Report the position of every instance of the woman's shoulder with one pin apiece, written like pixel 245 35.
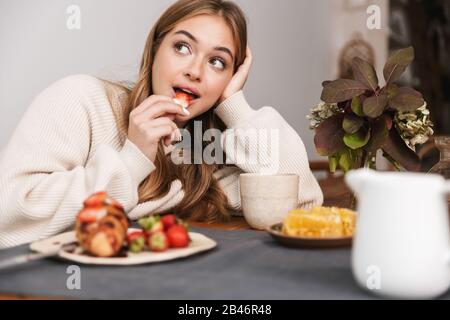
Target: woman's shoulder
pixel 77 97
pixel 88 83
pixel 76 84
pixel 78 78
pixel 70 89
pixel 81 98
pixel 84 90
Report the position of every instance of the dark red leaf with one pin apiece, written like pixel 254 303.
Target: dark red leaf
pixel 329 135
pixel 365 73
pixel 395 147
pixel 342 90
pixel 380 131
pixel 397 64
pixel 406 99
pixel 374 106
pixel 352 123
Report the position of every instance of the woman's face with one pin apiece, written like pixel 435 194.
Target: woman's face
pixel 197 55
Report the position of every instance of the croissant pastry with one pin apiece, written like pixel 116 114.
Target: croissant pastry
pixel 101 226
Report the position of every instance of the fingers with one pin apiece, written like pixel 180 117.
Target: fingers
pixel 162 132
pixel 149 102
pixel 241 76
pixel 152 122
pixel 162 121
pixel 160 109
pixel 249 55
pixel 245 66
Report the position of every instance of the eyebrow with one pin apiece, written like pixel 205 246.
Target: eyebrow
pixel 190 36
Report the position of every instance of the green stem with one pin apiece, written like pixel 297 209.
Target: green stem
pixel 397 165
pixel 368 160
pixel 364 159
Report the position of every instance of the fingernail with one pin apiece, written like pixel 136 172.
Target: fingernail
pixel 186 112
pixel 178 134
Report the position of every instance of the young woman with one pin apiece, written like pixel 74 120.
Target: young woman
pixel 84 134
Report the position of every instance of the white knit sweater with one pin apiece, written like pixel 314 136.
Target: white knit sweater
pixel 72 142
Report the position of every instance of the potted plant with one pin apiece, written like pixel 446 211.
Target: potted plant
pixel 357 117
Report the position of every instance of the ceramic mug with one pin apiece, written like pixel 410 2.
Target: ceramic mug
pixel 266 199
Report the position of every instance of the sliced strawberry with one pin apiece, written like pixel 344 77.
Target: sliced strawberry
pixel 87 219
pixel 178 236
pixel 135 235
pixel 101 199
pixel 158 242
pixel 168 221
pixel 183 99
pixel 95 200
pixel 89 215
pixel 113 202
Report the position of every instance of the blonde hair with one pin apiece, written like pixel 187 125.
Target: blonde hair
pixel 204 199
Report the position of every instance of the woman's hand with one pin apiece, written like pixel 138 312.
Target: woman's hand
pixel 240 77
pixel 152 121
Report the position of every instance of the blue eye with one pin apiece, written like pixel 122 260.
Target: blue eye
pixel 182 47
pixel 218 63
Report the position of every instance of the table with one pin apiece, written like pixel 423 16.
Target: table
pixel 247 264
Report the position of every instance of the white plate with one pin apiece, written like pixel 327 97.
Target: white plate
pixel 198 244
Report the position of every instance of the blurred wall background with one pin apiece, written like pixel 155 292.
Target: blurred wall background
pixel 296 44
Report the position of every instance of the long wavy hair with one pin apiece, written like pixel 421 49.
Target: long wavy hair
pixel 204 200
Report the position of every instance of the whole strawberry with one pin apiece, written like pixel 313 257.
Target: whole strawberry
pixel 178 236
pixel 168 221
pixel 183 223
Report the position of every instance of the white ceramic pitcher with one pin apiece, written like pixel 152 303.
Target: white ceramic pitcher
pixel 402 243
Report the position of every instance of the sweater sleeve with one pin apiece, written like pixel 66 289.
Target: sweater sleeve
pixel 48 169
pixel 261 141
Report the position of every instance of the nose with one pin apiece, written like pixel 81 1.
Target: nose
pixel 193 70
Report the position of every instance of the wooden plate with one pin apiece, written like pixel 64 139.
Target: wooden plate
pixel 198 244
pixel 300 242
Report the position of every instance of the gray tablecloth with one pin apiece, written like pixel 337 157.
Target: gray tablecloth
pixel 245 265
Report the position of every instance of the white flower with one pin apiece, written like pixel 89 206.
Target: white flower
pixel 321 112
pixel 415 127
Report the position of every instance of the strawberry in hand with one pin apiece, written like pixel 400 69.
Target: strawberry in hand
pixel 183 99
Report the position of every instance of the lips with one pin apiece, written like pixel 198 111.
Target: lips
pixel 192 92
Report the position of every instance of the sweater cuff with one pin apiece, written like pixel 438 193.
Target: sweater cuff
pixel 137 163
pixel 234 109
